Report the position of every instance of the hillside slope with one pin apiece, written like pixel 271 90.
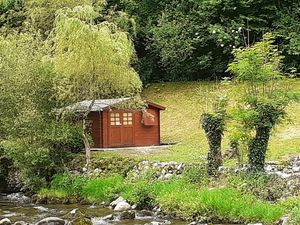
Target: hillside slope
pixel 185 101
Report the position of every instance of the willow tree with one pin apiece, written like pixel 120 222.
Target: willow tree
pixel 92 60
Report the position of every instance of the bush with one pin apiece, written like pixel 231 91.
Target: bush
pixel 114 165
pixel 196 175
pixel 263 186
pixel 292 209
pixel 141 194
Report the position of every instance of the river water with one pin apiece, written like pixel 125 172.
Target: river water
pixel 32 213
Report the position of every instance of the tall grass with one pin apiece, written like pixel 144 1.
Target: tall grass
pixel 223 204
pixel 178 197
pixel 104 189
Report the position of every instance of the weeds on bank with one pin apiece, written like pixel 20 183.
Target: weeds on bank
pixel 186 198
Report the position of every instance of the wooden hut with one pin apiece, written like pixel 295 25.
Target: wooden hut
pixel 112 127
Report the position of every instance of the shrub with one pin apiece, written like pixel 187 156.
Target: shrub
pixel 140 193
pixel 196 175
pixel 114 165
pixel 292 208
pixel 263 186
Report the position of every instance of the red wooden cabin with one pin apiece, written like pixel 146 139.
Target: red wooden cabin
pixel 111 127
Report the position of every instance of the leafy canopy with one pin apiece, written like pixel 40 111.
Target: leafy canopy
pixel 92 60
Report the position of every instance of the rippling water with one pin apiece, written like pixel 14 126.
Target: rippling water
pixel 32 213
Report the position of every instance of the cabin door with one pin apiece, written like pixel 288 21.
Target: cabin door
pixel 121 129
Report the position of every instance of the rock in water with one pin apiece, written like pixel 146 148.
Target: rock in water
pixel 76 217
pixel 5 221
pixel 21 223
pixel 108 217
pixel 165 222
pixel 127 215
pixel 51 221
pixel 81 221
pixel 117 201
pixel 18 197
pixel 122 206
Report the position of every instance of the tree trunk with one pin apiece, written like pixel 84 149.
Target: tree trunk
pixel 87 149
pixel 87 145
pixel 214 156
pixel 212 126
pixel 258 148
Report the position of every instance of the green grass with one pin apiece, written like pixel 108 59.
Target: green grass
pixel 177 197
pixel 102 189
pixel 44 192
pixel 185 101
pixel 219 205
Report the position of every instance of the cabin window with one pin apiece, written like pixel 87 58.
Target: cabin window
pixel 127 118
pixel 115 119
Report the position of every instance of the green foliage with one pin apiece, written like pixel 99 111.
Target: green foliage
pixel 140 193
pixel 177 197
pixel 44 193
pixel 89 58
pixel 114 165
pixel 174 39
pixel 70 184
pixel 96 190
pixel 104 189
pixel 223 204
pixel 196 175
pixel 214 124
pixel 78 60
pixel 41 13
pixel 265 187
pixel 292 209
pixel 264 101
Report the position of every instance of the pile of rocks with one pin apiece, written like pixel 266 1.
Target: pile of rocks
pixel 161 170
pixel 291 168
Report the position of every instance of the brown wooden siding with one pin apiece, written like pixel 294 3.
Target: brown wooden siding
pixel 146 135
pixel 142 135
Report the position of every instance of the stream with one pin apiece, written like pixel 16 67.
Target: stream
pixel 32 213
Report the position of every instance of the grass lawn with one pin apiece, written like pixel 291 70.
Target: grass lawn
pixel 185 101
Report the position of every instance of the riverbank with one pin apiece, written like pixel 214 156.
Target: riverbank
pixel 184 191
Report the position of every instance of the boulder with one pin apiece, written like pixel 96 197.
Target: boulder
pixel 21 223
pixel 165 222
pixel 51 221
pixel 127 215
pixel 76 217
pixel 168 176
pixel 108 217
pixel 81 221
pixel 196 223
pixel 144 213
pixel 18 197
pixel 117 201
pixel 284 220
pixel 5 221
pixel 122 206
